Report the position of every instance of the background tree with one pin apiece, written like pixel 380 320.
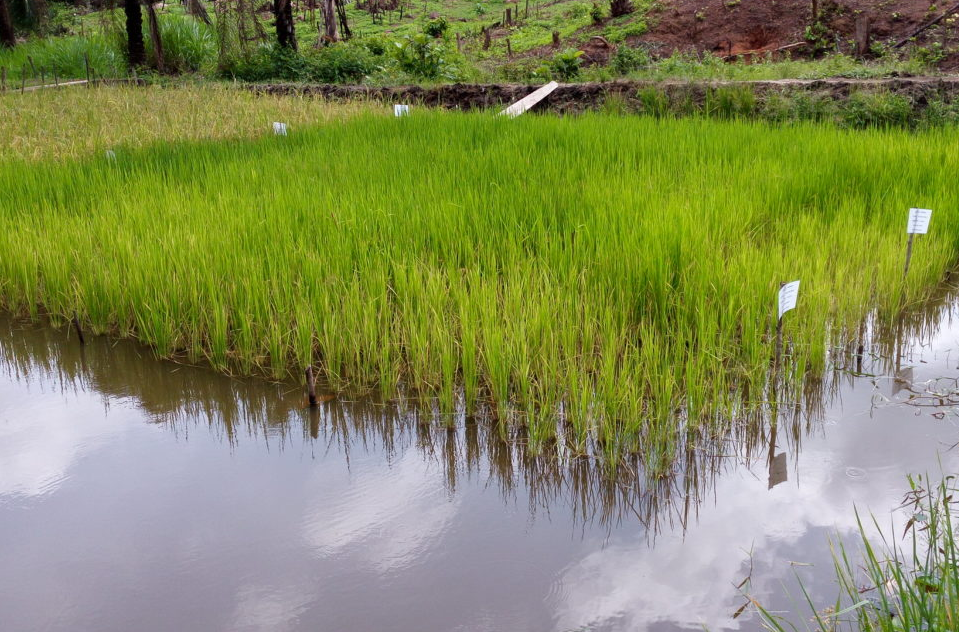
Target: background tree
pixel 620 7
pixel 285 34
pixel 136 52
pixel 329 21
pixel 7 36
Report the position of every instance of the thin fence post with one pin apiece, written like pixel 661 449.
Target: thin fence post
pixel 76 325
pixel 908 254
pixel 23 79
pixel 311 386
pixel 86 66
pixel 3 79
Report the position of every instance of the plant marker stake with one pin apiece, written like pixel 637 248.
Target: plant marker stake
pixel 76 325
pixel 311 386
pixel 279 129
pixel 918 224
pixel 401 110
pixel 788 292
pixel 529 100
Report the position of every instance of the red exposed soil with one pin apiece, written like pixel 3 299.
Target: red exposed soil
pixel 734 27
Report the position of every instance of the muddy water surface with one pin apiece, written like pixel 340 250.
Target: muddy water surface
pixel 142 495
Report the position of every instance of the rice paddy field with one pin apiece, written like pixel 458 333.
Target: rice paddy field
pixel 597 284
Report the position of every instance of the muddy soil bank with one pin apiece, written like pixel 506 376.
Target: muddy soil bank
pixel 580 97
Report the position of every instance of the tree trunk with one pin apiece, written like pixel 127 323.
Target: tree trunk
pixel 7 37
pixel 197 10
pixel 136 52
pixel 285 33
pixel 155 38
pixel 329 21
pixel 345 31
pixel 620 7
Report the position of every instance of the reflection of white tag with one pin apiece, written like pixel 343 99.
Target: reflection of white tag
pixel 279 129
pixel 787 297
pixel 111 155
pixel 401 110
pixel 918 221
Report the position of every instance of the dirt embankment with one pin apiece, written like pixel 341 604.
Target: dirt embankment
pixel 735 27
pixel 579 97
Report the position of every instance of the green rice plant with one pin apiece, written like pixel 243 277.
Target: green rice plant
pixel 598 283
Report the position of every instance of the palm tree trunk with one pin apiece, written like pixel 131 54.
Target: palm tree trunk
pixel 285 33
pixel 8 38
pixel 136 52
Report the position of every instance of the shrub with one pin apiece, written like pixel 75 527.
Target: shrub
pixel 338 63
pixel 422 57
pixel 628 59
pixel 596 13
pixel 188 45
pixel 876 109
pixel 566 64
pixel 436 27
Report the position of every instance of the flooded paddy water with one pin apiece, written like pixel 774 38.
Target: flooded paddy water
pixel 142 494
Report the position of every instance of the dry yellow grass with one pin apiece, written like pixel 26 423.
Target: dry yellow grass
pixel 75 121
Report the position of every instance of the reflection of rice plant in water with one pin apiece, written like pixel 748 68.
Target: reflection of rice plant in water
pixel 596 279
pixel 908 581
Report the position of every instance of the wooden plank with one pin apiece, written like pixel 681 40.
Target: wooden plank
pixel 530 100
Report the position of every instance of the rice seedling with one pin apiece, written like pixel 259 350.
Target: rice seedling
pixel 77 121
pixel 602 282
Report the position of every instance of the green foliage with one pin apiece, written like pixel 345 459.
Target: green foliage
pixel 596 13
pixel 876 109
pixel 65 56
pixel 620 33
pixel 911 578
pixel 188 45
pixel 931 55
pixel 627 59
pixel 566 64
pixel 423 57
pixel 436 27
pixel 337 63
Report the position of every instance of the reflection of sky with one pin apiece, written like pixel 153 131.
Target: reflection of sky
pixel 384 518
pixel 108 522
pixel 39 444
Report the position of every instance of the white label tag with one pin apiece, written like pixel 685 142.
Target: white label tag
pixel 918 221
pixel 787 297
pixel 401 110
pixel 279 129
pixel 111 155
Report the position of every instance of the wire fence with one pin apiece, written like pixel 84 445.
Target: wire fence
pixel 30 76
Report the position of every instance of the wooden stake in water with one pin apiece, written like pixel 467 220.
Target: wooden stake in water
pixel 788 293
pixel 918 224
pixel 311 386
pixel 76 325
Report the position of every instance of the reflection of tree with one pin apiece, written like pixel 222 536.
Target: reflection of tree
pixel 182 398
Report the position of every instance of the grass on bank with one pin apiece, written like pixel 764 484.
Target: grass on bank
pixel 904 582
pixel 605 281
